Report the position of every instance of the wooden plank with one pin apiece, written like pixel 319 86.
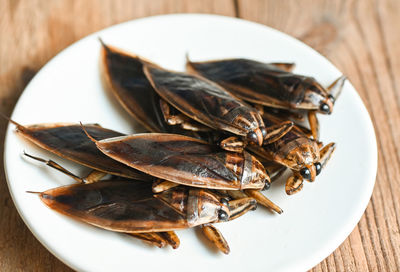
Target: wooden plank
pixel 32 32
pixel 361 38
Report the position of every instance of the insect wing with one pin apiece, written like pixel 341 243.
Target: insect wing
pixel 203 100
pixel 173 157
pixel 70 142
pixel 124 76
pixel 252 81
pixel 123 206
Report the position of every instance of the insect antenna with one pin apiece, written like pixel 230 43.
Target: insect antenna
pixel 32 192
pixel 56 166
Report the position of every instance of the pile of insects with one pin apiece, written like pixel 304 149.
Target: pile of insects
pixel 219 134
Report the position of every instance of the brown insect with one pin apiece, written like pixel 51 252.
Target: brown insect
pixel 132 207
pixel 159 239
pixel 184 160
pixel 197 104
pixel 297 151
pixel 123 76
pixel 272 85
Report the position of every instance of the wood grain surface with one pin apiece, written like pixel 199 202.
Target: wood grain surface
pixel 360 37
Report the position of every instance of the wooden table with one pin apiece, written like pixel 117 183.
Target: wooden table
pixel 360 37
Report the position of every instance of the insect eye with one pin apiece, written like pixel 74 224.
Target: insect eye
pixel 305 173
pixel 254 203
pixel 222 215
pixel 252 136
pixel 318 167
pixel 267 186
pixel 263 132
pixel 225 201
pixel 324 108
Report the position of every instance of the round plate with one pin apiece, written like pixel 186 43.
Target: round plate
pixel 315 221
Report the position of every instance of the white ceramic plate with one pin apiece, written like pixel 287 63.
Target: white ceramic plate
pixel 314 222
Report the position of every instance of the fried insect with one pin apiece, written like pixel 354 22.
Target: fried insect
pixel 295 150
pixel 209 104
pixel 132 207
pixel 272 85
pixel 123 76
pixel 186 161
pixel 70 142
pixel 159 239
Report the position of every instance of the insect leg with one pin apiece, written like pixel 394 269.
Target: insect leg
pixel 172 238
pixel 151 238
pixel 216 237
pixel 304 130
pixel 161 185
pixel 237 208
pixel 263 200
pixel 314 124
pixel 94 175
pixel 326 153
pixel 240 206
pixel 277 131
pixel 58 167
pixel 285 66
pixel 336 88
pixel 175 118
pixel 294 184
pixel 233 144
